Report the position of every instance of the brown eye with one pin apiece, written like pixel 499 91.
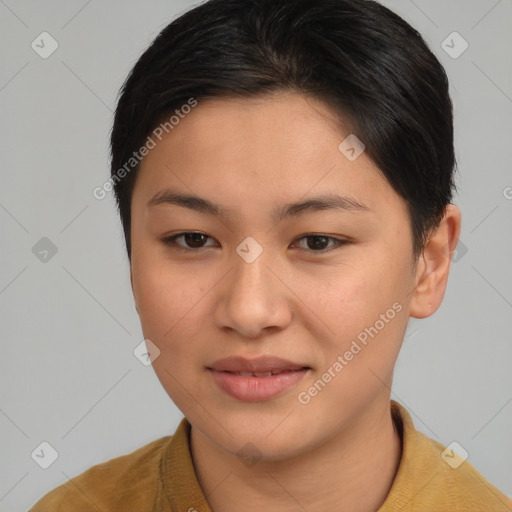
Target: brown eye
pixel 320 243
pixel 192 241
pixel 317 242
pixel 195 240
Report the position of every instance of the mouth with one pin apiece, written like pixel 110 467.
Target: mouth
pixel 257 379
pixel 261 366
pixel 262 374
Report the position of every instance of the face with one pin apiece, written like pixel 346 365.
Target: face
pixel 325 289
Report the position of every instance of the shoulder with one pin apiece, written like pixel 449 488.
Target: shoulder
pixel 459 483
pixel 132 478
pixel 431 475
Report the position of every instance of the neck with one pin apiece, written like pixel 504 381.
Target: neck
pixel 352 471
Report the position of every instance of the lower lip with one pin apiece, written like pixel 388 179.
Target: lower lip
pixel 256 389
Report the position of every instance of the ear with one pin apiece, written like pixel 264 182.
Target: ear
pixel 133 290
pixel 434 265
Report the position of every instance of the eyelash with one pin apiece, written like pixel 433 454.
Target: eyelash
pixel 171 242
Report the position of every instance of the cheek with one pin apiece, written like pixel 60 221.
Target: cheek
pixel 366 311
pixel 168 301
pixel 169 306
pixel 355 296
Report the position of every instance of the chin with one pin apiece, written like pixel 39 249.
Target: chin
pixel 252 436
pixel 265 450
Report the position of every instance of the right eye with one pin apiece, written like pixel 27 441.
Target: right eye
pixel 194 240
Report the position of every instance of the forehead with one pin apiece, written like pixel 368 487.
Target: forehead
pixel 267 151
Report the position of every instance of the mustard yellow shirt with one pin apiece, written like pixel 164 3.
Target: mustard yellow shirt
pixel 160 476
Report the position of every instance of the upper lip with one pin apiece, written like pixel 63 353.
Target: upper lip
pixel 260 364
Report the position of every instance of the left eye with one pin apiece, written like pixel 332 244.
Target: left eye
pixel 318 242
pixel 196 240
pixel 190 238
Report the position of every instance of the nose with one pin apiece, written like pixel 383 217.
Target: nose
pixel 253 299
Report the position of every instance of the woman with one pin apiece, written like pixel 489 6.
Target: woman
pixel 284 175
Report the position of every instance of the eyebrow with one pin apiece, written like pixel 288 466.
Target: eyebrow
pixel 289 210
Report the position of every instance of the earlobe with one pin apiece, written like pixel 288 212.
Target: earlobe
pixel 434 265
pixel 133 290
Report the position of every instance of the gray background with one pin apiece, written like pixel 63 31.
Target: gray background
pixel 69 325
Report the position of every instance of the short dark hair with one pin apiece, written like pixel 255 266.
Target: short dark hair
pixel 364 61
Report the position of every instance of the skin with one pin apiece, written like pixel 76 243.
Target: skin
pixel 293 301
